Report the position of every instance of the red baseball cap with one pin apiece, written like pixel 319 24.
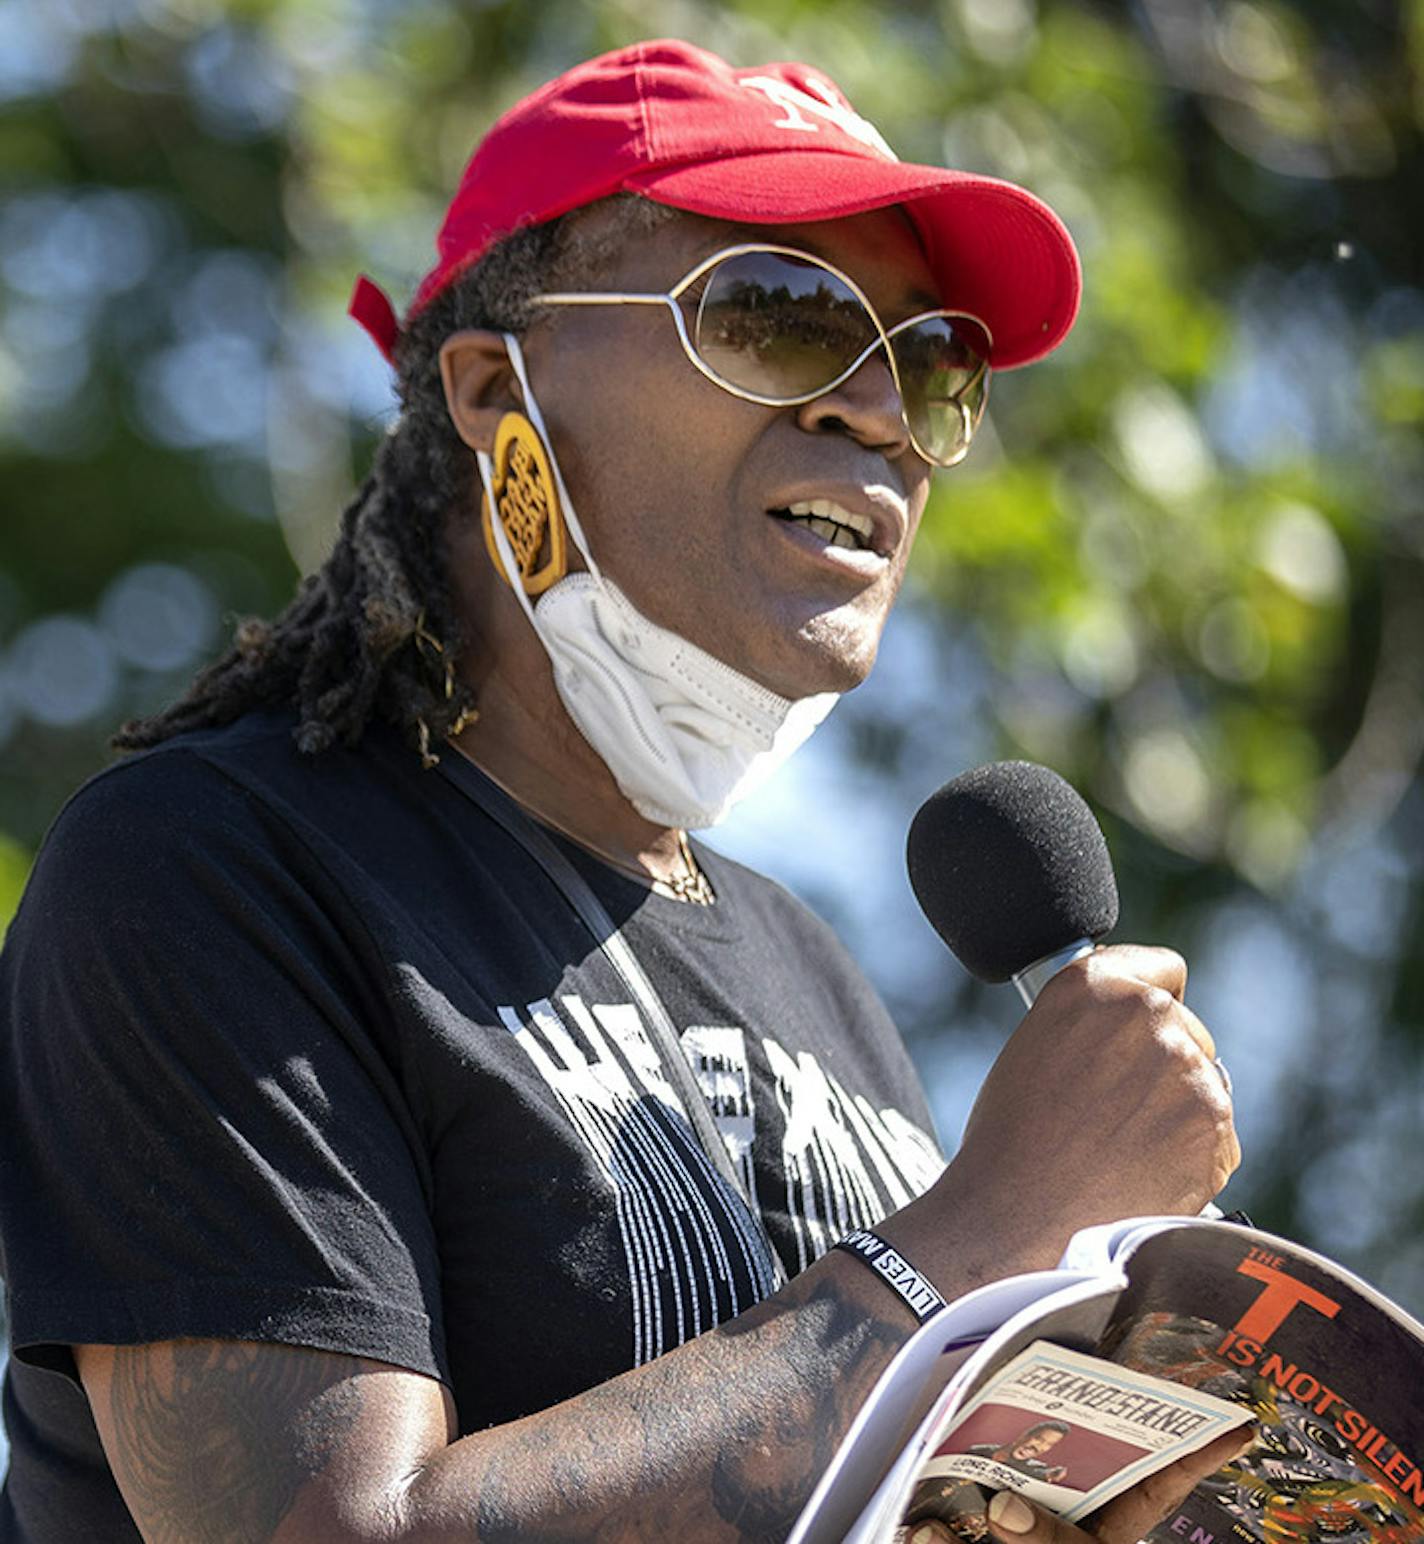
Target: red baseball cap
pixel 769 144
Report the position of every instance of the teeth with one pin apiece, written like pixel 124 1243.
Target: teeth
pixel 827 513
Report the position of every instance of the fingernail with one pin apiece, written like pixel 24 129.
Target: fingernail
pixel 1012 1514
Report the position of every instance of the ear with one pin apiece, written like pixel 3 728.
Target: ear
pixel 479 383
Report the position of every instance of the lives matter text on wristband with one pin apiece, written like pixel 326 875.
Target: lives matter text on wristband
pixel 918 1292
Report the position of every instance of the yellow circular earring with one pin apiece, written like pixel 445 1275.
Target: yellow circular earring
pixel 526 496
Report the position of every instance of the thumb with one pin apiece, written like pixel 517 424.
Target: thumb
pixel 1017 1521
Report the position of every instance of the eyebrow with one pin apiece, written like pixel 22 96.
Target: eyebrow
pixel 922 300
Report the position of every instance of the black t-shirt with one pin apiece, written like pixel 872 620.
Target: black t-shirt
pixel 308 1050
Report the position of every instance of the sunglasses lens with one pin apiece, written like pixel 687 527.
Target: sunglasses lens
pixel 777 327
pixel 944 381
pixel 782 328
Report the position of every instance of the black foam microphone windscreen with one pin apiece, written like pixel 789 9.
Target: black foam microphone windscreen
pixel 1010 866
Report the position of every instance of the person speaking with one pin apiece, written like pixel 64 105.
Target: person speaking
pixel 408 1131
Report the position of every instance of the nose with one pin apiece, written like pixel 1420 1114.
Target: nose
pixel 866 406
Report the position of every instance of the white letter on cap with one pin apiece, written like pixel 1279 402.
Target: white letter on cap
pixel 794 102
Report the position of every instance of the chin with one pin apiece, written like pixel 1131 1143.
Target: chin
pixel 821 661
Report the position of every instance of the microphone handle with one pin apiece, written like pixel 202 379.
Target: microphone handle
pixel 1032 979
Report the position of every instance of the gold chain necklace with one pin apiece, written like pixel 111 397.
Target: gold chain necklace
pixel 692 885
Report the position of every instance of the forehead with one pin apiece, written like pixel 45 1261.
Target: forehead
pixel 879 249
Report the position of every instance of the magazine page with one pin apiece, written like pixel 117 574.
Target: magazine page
pixel 1074 1316
pixel 1331 1370
pixel 1067 1430
pixel 914 1380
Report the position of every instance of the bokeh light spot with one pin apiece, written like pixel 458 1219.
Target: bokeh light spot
pixel 1299 550
pixel 158 616
pixel 62 671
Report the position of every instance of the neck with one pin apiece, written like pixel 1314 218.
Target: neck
pixel 543 761
pixel 525 740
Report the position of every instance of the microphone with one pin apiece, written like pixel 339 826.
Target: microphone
pixel 1011 868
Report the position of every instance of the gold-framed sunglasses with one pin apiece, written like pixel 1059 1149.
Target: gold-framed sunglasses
pixel 779 327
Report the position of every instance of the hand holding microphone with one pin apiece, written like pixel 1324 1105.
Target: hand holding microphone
pixel 1108 1100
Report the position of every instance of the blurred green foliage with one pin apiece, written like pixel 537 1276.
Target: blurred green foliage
pixel 14 868
pixel 1182 566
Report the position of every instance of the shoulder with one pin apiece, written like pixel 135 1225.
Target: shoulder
pixel 195 769
pixel 235 832
pixel 782 939
pixel 240 778
pixel 120 829
pixel 174 802
pixel 166 829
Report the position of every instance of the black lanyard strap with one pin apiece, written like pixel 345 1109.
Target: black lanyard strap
pixel 576 890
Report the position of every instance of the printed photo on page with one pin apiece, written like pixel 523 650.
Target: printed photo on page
pixel 1067 1430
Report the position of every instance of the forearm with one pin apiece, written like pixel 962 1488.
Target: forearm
pixel 223 1442
pixel 723 1438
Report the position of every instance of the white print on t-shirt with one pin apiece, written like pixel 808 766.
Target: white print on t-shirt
pixel 831 1144
pixel 718 1055
pixel 846 1164
pixel 677 1216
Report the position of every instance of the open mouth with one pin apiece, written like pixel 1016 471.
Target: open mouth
pixel 837 527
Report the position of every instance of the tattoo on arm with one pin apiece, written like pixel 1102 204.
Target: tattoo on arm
pixel 760 1484
pixel 783 1408
pixel 219 1442
pixel 214 1440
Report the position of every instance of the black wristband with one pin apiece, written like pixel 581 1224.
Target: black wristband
pixel 918 1292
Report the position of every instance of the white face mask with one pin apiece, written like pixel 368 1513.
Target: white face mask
pixel 684 735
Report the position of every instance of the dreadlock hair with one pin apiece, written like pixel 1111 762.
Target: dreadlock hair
pixel 374 632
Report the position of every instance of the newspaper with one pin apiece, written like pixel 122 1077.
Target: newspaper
pixel 1232 1318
